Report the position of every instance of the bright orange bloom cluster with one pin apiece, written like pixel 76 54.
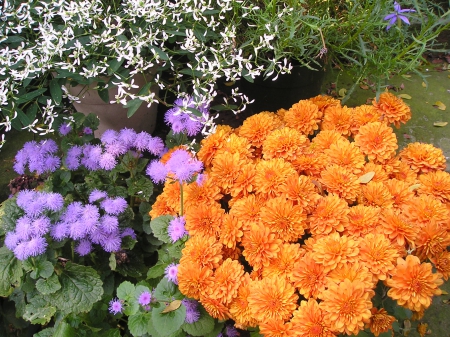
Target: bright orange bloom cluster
pixel 301 214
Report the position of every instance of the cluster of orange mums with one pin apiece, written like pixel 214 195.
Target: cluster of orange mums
pixel 305 210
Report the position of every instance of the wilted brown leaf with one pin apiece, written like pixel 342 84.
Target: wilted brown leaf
pixel 364 86
pixel 174 305
pixel 406 327
pixel 424 84
pixel 440 105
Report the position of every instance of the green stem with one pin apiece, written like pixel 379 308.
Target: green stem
pixel 181 198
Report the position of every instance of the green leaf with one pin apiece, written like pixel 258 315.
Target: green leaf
pixel 203 326
pixel 396 326
pixel 126 291
pixel 55 91
pixel 138 323
pixel 140 186
pixel 246 75
pixel 64 330
pixel 9 213
pixel 43 269
pixel 112 261
pixel 132 106
pixel 24 119
pixel 157 270
pixel 402 313
pixel 219 327
pixel 48 332
pixel 166 291
pixel 48 286
pixel 168 323
pixel 385 334
pixel 175 139
pixel 81 287
pixel 29 96
pixel 38 313
pixel 103 92
pixel 162 55
pixel 362 334
pixel 159 227
pixel 10 271
pixel 114 65
pixel 111 333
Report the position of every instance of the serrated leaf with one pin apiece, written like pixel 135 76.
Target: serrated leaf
pixel 174 305
pixel 126 291
pixel 81 287
pixel 64 330
pixel 159 227
pixel 440 123
pixel 48 332
pixel 10 271
pixel 219 327
pixel 168 323
pixel 43 269
pixel 202 327
pixel 439 105
pixel 49 285
pixel 38 314
pixel 166 291
pixel 156 271
pixel 404 96
pixel 111 333
pixel 138 323
pixel 365 178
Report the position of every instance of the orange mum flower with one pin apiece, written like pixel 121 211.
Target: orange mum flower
pixel 400 191
pixel 286 143
pixel 392 108
pixel 226 281
pixel 353 272
pixel 207 193
pixel 257 127
pixel 397 227
pixel 272 298
pixel 329 216
pixel 340 181
pixel 346 154
pixel 226 168
pixel 377 194
pixel 426 209
pixel 436 184
pixel 232 253
pixel 276 328
pixel 325 138
pixel 239 308
pixel 442 263
pixel 215 308
pixel 362 220
pixel 311 162
pixel 380 321
pixel 270 175
pixel 308 321
pixel 309 277
pixel 283 264
pixel 324 101
pixel 260 245
pixel 204 219
pixel 346 306
pixel 282 217
pixel 302 191
pixel 337 118
pixel 212 143
pixel 423 158
pixel 334 250
pixel 247 210
pixel 169 201
pixel 193 279
pixel 205 251
pixel 380 173
pixel 235 144
pixel 413 284
pixel 303 116
pixel 431 240
pixel 244 183
pixel 230 231
pixel 363 114
pixel 378 254
pixel 403 172
pixel 377 141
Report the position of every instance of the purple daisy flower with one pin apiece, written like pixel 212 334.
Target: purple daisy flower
pixel 145 298
pixel 176 229
pixel 171 272
pixel 115 306
pixel 64 129
pixel 396 16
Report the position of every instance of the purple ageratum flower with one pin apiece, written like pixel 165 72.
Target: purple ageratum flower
pixel 59 231
pixel 182 120
pixel 35 246
pixel 114 206
pixel 84 247
pixel 109 137
pixel 73 157
pixel 90 216
pixel 50 164
pixel 24 227
pixel 145 298
pixel 176 229
pixel 171 272
pixel 24 197
pixel 39 157
pixel 155 145
pixel 48 146
pixel 115 306
pixel 40 226
pixel 128 232
pixel 396 16
pixel 77 230
pixel 107 161
pixel 111 242
pixel 141 141
pixel 97 195
pixel 231 331
pixel 157 171
pixel 182 165
pixel 127 137
pixel 12 239
pixel 73 212
pixel 116 149
pixel 91 157
pixel 87 131
pixel 64 129
pixel 109 224
pixel 54 201
pixel 192 312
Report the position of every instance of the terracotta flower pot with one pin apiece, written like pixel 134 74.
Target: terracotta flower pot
pixel 113 115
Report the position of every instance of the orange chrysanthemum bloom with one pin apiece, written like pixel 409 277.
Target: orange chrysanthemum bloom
pixel 308 321
pixel 392 108
pixel 162 206
pixel 380 321
pixel 346 306
pixel 392 166
pixel 380 173
pixel 335 250
pixel 206 193
pixel 270 175
pixel 346 154
pixel 212 143
pixel 232 253
pixel 272 298
pixel 363 114
pixel 244 183
pixel 431 240
pixel 301 191
pixel 309 277
pixel 324 101
pixel 423 158
pixel 397 227
pixel 282 217
pixel 403 172
pixel 257 127
pixel 378 254
pixel 377 141
pixel 362 220
pixel 286 143
pixel 340 181
pixel 425 209
pixel 354 272
pixel 323 140
pixel 377 194
pixel 204 220
pixel 205 251
pixel 239 308
pixel 193 279
pixel 226 168
pixel 215 308
pixel 276 328
pixel 303 116
pixel 311 162
pixel 230 232
pixel 400 191
pixel 235 144
pixel 330 215
pixel 247 210
pixel 260 245
pixel 413 284
pixel 442 263
pixel 283 264
pixel 436 184
pixel 337 118
pixel 226 281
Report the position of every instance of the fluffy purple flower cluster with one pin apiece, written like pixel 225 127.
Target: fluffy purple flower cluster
pixel 81 222
pixel 114 143
pixel 180 166
pixel 176 229
pixel 192 311
pixel 40 157
pixel 181 119
pixel 171 272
